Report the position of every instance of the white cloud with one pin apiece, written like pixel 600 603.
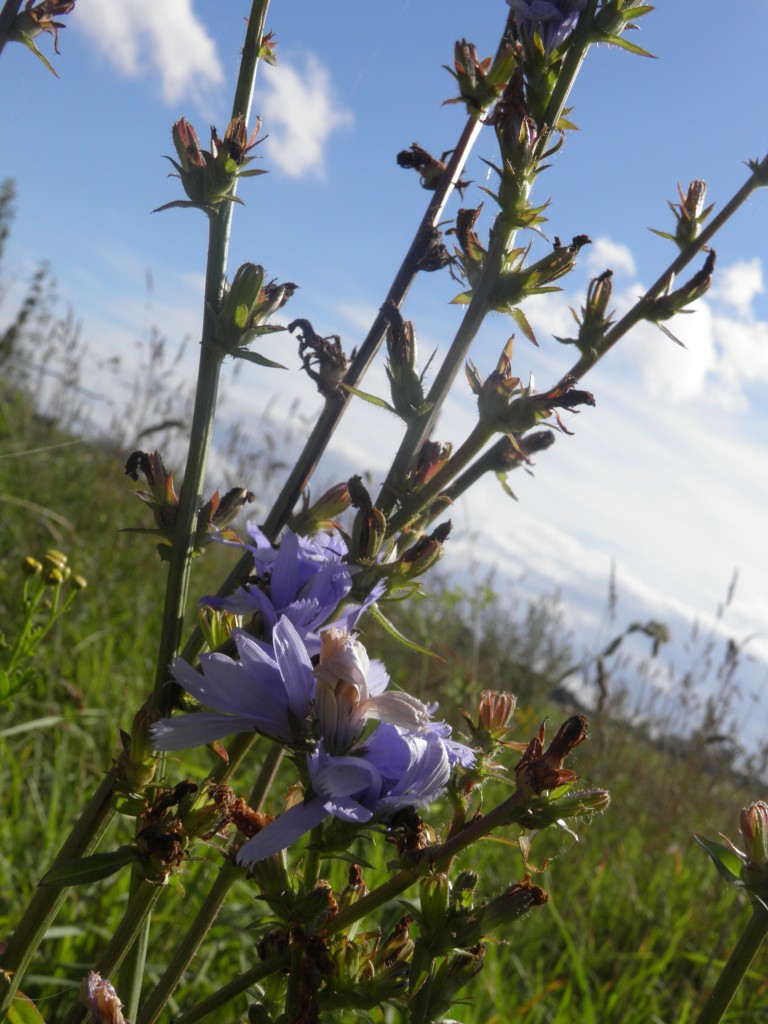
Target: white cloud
pixel 300 112
pixel 150 38
pixel 736 286
pixel 606 254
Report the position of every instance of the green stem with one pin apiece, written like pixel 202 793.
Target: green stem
pixel 293 988
pixel 46 901
pixel 758 179
pixel 471 447
pixel 227 876
pixel 132 970
pixel 311 870
pixel 209 369
pixel 127 933
pixel 738 963
pixel 238 985
pixel 7 18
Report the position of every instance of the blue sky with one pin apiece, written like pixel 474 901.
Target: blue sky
pixel 666 476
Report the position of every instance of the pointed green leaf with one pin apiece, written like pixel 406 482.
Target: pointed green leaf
pixel 395 632
pixel 255 357
pixel 502 478
pixel 522 322
pixel 22 37
pixel 373 399
pixel 90 869
pixel 727 862
pixel 663 234
pixel 611 40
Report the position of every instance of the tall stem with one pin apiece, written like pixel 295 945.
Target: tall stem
pixel 738 963
pixel 502 240
pixel 207 388
pixel 334 408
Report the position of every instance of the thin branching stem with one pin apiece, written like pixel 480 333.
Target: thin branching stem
pixel 638 312
pixel 336 406
pixel 502 240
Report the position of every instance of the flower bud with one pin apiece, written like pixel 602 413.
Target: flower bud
pixel 55 559
pixel 138 761
pixel 404 379
pixel 323 513
pixel 480 81
pixel 355 888
pixel 463 889
pixel 240 302
pixel 422 555
pixel 512 904
pixel 370 525
pixel 754 831
pixel 433 896
pixel 209 176
pixel 495 711
pixel 31 567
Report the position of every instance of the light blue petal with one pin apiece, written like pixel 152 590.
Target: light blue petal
pixel 283 832
pixel 195 730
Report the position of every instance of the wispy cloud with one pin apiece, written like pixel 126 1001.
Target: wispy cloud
pixel 165 40
pixel 300 113
pixel 605 254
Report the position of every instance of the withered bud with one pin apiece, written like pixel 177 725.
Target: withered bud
pixel 429 167
pixel 248 822
pixel 99 996
pixel 541 770
pixel 512 904
pixel 322 358
pixel 430 458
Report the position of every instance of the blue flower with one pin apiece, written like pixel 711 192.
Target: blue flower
pixel 270 689
pixel 350 689
pixel 458 753
pixel 304 580
pixel 554 19
pixel 393 769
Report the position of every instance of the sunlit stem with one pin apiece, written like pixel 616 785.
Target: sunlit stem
pixel 335 408
pixel 735 969
pixel 473 445
pixel 502 240
pixel 211 357
pixel 758 179
pixel 228 874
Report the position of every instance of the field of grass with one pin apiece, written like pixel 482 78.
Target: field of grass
pixel 638 922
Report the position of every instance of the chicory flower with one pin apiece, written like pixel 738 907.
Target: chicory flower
pixel 304 580
pixel 351 689
pixel 554 19
pixel 393 769
pixel 270 689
